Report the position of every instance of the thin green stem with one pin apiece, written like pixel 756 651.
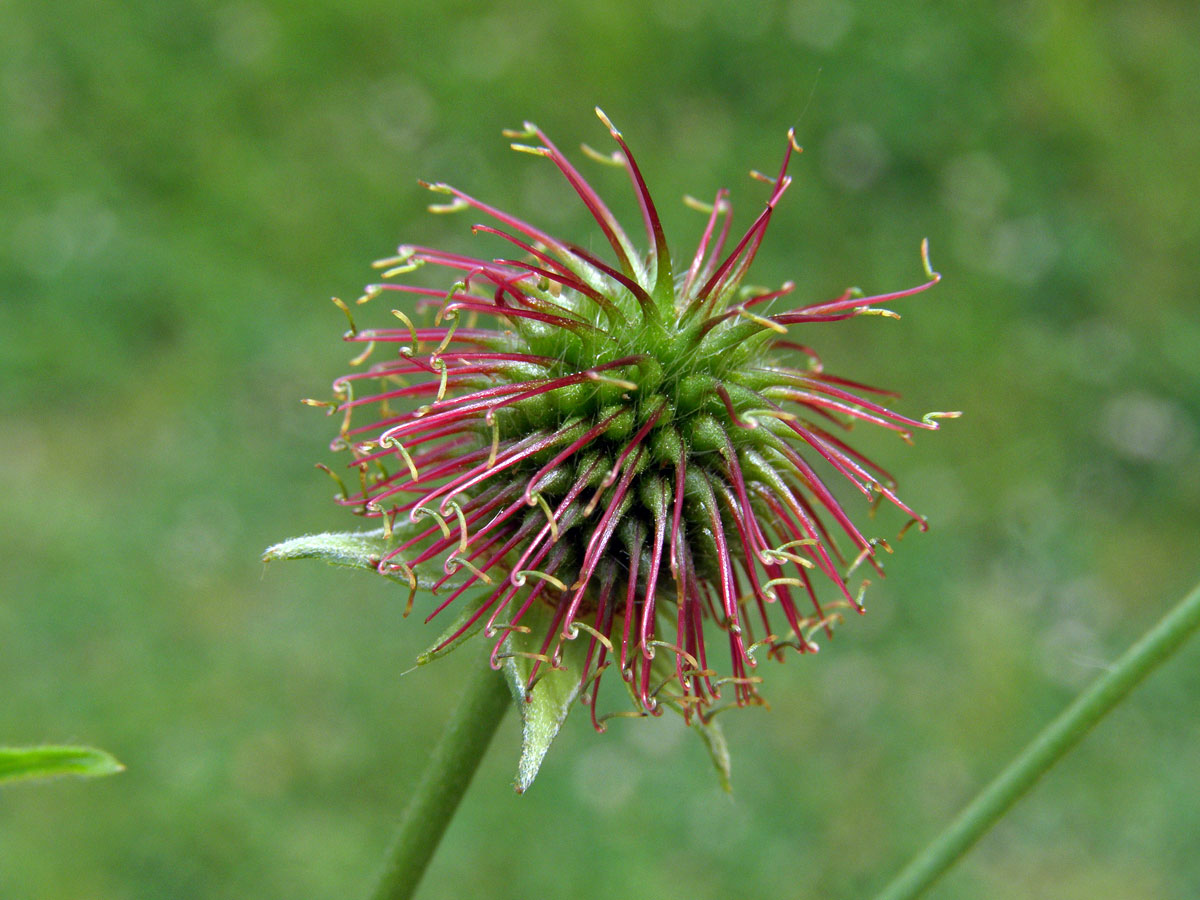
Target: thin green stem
pixel 1061 735
pixel 451 767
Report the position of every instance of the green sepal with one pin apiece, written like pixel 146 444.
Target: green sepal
pixel 27 763
pixel 470 607
pixel 352 549
pixel 356 550
pixel 713 737
pixel 545 707
pixel 709 732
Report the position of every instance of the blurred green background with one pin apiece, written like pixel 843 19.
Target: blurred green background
pixel 183 185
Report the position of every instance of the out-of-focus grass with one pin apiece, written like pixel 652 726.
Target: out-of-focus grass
pixel 184 185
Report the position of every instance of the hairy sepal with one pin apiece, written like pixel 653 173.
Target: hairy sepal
pixel 709 731
pixel 354 550
pixel 543 707
pixel 444 645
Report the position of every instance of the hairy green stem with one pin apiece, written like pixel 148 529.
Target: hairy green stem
pixel 1151 650
pixel 447 776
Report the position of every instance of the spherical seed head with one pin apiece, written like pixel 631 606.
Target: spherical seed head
pixel 628 445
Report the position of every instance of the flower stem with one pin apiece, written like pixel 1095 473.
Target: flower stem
pixel 1152 649
pixel 447 776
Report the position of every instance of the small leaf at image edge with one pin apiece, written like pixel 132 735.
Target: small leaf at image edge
pixel 27 763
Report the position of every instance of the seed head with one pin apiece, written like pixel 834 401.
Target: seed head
pixel 627 444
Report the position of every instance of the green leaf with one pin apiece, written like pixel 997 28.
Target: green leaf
pixel 545 708
pixel 355 550
pixel 26 763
